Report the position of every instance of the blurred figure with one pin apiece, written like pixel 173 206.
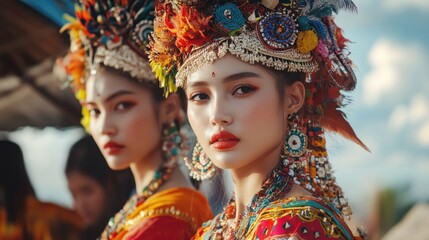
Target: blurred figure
pixel 22 215
pixel 98 192
pixel 217 190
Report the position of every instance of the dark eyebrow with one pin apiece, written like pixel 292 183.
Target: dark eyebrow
pixel 238 76
pixel 196 84
pixel 117 94
pixel 233 77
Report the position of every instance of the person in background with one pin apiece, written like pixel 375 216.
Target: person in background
pixel 22 215
pixel 133 123
pixel 98 191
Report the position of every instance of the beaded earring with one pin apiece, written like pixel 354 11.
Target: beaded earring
pixel 295 143
pixel 200 166
pixel 171 143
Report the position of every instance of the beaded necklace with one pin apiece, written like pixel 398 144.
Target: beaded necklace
pixel 118 222
pixel 274 187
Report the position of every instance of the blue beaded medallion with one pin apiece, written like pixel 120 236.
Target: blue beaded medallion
pixel 295 143
pixel 228 17
pixel 141 32
pixel 277 31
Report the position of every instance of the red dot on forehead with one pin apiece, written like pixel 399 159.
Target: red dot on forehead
pixel 213 74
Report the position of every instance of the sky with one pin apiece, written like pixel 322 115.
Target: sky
pixel 389 111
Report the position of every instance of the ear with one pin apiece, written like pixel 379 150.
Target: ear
pixel 169 109
pixel 295 97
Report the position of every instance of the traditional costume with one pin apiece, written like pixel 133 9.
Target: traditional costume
pixel 292 36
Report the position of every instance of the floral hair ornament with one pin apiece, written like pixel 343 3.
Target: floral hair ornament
pixel 285 35
pixel 113 33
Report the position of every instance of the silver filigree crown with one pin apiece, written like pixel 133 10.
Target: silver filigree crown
pixel 248 48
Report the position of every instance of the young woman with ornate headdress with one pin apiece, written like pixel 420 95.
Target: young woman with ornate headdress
pixel 263 81
pixel 131 121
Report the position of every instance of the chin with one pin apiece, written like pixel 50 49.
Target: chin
pixel 116 163
pixel 228 161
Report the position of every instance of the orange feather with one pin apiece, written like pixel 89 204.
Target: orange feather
pixel 334 120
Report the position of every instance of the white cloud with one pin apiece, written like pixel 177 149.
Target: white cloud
pixel 416 113
pixel 398 118
pixel 423 134
pixel 419 109
pixel 397 71
pixel 402 4
pixel 415 117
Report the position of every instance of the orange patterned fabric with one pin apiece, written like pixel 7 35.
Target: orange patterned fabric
pixel 171 214
pixel 41 221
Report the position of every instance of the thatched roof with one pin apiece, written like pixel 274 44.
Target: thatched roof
pixel 415 225
pixel 29 94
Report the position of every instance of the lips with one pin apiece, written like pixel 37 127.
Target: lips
pixel 224 140
pixel 112 148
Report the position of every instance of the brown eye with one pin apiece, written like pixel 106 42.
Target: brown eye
pixel 243 89
pixel 123 105
pixel 198 97
pixel 93 112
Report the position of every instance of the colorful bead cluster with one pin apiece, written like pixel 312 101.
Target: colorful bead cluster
pixel 295 144
pixel 228 18
pixel 313 171
pixel 112 23
pixel 200 166
pixel 172 144
pixel 277 30
pixel 274 187
pixel 119 221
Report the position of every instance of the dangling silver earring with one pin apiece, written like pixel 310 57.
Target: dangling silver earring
pixel 171 142
pixel 200 166
pixel 295 143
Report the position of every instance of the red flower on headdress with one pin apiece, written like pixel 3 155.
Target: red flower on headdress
pixel 74 61
pixel 190 28
pixel 75 67
pixel 164 50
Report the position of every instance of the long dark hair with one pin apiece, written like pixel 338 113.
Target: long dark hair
pixel 85 157
pixel 15 185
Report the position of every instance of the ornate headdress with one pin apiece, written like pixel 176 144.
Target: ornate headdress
pixel 289 35
pixel 285 35
pixel 114 33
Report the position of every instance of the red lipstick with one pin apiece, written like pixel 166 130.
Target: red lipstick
pixel 112 148
pixel 223 140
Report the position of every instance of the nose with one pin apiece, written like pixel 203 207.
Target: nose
pixel 219 113
pixel 105 125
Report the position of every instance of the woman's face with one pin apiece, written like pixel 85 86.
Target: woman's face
pixel 123 119
pixel 89 197
pixel 235 111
